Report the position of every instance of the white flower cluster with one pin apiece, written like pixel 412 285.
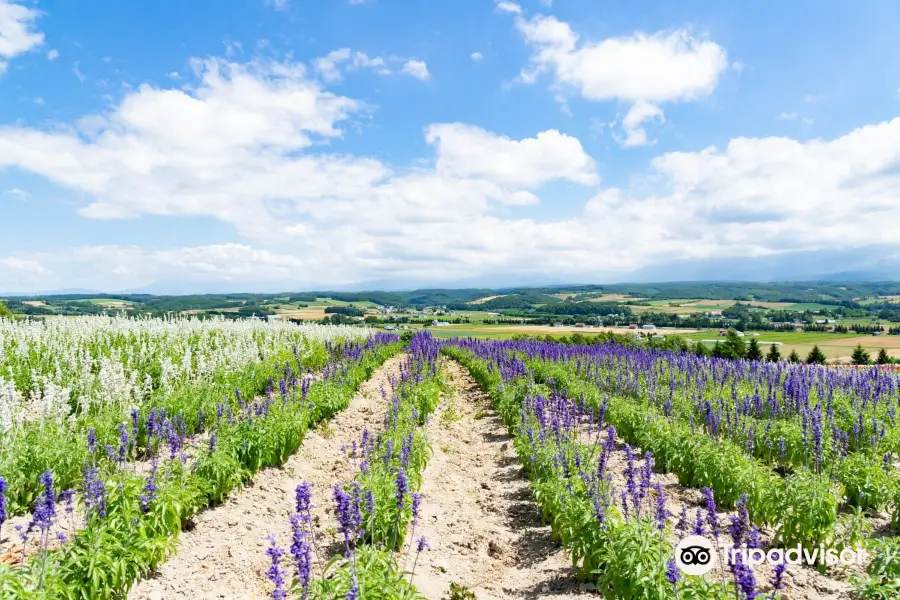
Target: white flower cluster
pixel 50 368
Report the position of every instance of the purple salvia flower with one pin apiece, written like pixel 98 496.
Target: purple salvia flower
pixel 416 502
pixel 682 524
pixel 91 440
pixel 93 490
pixel 135 425
pixel 353 592
pixel 672 574
pixel 45 508
pixel 301 551
pixel 3 503
pixel 303 501
pixel 275 574
pixel 370 501
pixel 402 487
pixel 778 577
pixel 754 540
pixel 709 504
pixel 343 510
pixel 123 444
pixel 67 497
pixel 698 523
pixel 740 523
pixel 661 512
pixel 744 580
pixel 148 494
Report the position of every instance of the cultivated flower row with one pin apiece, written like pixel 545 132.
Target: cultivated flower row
pixel 835 431
pixel 643 397
pixel 618 538
pixel 378 511
pixel 213 358
pixel 127 513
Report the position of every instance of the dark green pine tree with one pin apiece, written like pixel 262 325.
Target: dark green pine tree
pixel 718 351
pixel 773 355
pixel 753 351
pixel 734 346
pixel 860 356
pixel 700 349
pixel 815 357
pixel 883 358
pixel 794 357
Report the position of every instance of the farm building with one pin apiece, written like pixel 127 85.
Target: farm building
pixel 648 326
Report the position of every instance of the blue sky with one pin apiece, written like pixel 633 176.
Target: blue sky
pixel 291 144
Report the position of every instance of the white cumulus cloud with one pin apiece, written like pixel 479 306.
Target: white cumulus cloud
pixel 256 145
pixel 17 31
pixel 642 70
pixel 416 68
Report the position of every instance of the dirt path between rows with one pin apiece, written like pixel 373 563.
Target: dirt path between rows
pixel 223 555
pixel 484 530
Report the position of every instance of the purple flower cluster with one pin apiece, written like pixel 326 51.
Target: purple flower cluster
pixel 3 503
pixel 276 573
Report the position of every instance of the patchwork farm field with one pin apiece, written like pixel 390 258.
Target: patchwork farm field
pixel 184 458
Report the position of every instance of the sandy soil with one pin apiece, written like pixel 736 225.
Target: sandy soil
pixel 222 556
pixel 477 513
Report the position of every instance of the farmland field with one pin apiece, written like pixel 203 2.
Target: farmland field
pixel 180 458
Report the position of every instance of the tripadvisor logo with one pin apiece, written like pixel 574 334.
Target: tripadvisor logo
pixel 696 555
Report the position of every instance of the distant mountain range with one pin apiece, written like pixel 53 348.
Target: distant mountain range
pixel 871 263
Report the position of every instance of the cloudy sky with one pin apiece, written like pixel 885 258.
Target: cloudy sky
pixel 297 144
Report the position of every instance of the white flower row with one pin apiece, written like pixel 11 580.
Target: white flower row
pixel 50 367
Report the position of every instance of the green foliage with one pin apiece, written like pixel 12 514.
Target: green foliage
pixel 794 357
pixel 460 592
pixel 815 356
pixel 881 581
pixel 773 355
pixel 734 346
pixel 378 573
pixel 883 358
pixel 5 313
pixel 753 351
pixel 860 356
pixel 867 483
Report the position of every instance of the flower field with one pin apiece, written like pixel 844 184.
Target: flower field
pixel 118 434
pixel 116 431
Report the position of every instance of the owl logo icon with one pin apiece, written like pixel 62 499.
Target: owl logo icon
pixel 694 555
